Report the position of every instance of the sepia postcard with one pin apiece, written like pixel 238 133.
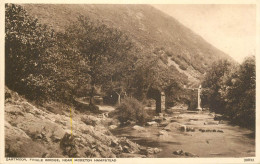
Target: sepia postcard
pixel 129 81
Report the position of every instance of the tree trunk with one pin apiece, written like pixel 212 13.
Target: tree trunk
pixel 92 94
pixel 119 98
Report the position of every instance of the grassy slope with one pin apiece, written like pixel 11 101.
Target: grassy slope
pixel 149 27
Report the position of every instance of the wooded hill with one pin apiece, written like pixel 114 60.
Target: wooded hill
pixel 70 49
pixel 150 28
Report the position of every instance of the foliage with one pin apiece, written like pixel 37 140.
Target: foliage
pixel 37 64
pixel 131 110
pixel 88 54
pixel 239 93
pixel 27 43
pixel 105 50
pixel 43 64
pixel 231 91
pixel 213 81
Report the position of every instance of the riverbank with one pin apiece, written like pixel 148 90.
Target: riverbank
pixel 59 131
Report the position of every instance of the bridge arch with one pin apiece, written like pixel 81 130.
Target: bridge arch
pixel 159 97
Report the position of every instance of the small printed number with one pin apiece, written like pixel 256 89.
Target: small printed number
pixel 249 160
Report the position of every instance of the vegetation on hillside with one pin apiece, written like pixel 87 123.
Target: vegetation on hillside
pixel 44 64
pixel 28 45
pixel 149 28
pixel 231 91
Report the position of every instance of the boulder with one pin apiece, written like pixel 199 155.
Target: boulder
pixel 139 128
pixel 149 151
pixel 203 130
pixel 157 119
pixel 211 123
pixel 183 128
pixel 223 122
pixel 57 134
pixel 157 150
pixel 190 129
pixel 129 146
pixel 114 143
pixel 220 131
pixel 163 132
pixel 111 127
pixel 218 117
pixel 163 124
pixel 152 123
pixel 212 114
pixel 127 155
pixel 90 120
pixel 175 126
pixel 128 122
pixel 68 145
pixel 183 153
pixel 190 154
pixel 178 152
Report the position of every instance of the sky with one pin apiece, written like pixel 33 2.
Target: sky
pixel 230 28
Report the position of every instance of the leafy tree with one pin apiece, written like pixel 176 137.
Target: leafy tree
pixel 240 94
pixel 26 43
pixel 231 91
pixel 104 50
pixel 213 82
pixel 39 63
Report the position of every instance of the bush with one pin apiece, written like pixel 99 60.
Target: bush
pixel 131 110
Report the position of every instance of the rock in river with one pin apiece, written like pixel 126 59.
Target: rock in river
pixel 139 128
pixel 152 123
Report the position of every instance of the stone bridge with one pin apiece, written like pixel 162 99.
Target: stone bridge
pixel 159 97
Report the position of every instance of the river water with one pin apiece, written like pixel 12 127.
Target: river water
pixel 230 141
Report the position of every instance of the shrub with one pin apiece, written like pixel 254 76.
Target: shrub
pixel 131 110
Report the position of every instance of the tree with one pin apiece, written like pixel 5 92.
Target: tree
pixel 240 94
pixel 231 91
pixel 27 42
pixel 104 50
pixel 213 82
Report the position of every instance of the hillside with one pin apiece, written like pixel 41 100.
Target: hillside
pixel 50 133
pixel 151 29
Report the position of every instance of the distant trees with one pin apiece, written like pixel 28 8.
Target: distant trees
pixel 232 91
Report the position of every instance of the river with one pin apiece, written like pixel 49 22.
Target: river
pixel 227 141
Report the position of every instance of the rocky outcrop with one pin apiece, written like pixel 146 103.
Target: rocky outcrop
pixel 32 131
